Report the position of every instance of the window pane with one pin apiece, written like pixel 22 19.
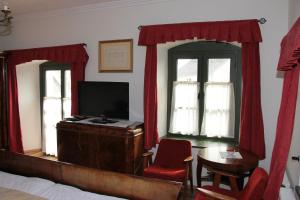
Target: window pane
pixel 187 69
pixel 68 83
pixel 53 83
pixel 67 107
pixel 219 70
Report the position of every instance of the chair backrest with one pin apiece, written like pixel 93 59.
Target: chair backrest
pixel 171 153
pixel 256 185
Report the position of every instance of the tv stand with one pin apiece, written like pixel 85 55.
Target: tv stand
pixel 100 146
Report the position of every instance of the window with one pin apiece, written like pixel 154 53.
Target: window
pixel 55 81
pixel 204 83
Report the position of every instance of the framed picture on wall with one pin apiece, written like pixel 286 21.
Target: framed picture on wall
pixel 116 55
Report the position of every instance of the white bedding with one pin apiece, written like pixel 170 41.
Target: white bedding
pixel 47 189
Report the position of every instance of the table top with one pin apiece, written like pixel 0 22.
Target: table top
pixel 211 157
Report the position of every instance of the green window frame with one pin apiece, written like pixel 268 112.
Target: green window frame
pixel 202 51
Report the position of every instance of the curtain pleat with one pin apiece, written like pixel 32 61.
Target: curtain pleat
pixel 75 55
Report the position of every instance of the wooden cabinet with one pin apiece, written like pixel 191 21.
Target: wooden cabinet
pixel 105 147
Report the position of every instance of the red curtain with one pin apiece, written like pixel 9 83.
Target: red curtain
pixel 75 55
pixel 246 32
pixel 150 97
pixel 251 124
pixel 290 62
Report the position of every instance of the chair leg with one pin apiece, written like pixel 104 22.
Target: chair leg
pixel 191 183
pixel 190 175
pixel 185 189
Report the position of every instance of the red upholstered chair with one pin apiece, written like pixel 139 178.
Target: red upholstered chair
pixel 254 189
pixel 173 161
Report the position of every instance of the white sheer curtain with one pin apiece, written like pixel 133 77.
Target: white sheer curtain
pixel 52 107
pixel 185 110
pixel 51 116
pixel 218 116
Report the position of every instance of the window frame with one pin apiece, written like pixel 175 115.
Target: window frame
pixel 203 50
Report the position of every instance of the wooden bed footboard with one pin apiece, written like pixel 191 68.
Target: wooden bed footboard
pixel 89 179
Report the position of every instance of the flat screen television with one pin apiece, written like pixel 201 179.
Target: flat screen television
pixel 108 99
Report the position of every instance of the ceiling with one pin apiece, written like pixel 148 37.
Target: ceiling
pixel 19 7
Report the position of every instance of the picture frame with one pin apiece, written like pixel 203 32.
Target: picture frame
pixel 116 55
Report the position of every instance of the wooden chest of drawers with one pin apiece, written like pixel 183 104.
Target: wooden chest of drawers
pixel 105 147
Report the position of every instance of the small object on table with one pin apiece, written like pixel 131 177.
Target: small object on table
pixel 230 155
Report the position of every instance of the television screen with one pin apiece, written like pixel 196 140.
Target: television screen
pixel 109 99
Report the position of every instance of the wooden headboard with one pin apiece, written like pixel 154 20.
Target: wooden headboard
pixel 89 179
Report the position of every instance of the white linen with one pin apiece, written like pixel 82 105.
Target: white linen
pixel 59 192
pixel 34 186
pixel 47 189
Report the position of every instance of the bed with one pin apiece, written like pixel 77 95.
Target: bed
pixel 20 187
pixel 36 178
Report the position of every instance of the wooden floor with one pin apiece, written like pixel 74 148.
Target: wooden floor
pixel 40 154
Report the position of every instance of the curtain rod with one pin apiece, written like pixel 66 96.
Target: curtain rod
pixel 261 21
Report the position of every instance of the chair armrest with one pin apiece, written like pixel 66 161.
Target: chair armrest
pixel 148 153
pixel 214 195
pixel 189 159
pixel 147 159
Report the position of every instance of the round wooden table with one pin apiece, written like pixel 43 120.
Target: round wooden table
pixel 210 158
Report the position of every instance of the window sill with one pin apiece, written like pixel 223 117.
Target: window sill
pixel 203 143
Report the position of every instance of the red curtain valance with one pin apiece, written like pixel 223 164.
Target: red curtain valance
pixel 242 31
pixel 68 53
pixel 290 49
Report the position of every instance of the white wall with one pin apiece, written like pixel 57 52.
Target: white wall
pixel 29 104
pixel 162 88
pixel 120 20
pixel 294 11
